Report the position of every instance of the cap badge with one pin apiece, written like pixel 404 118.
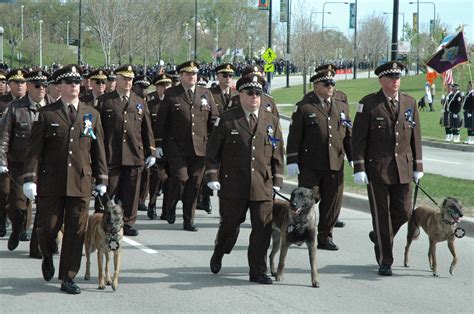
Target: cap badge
pixel 191 64
pixel 18 72
pixel 40 73
pixel 129 68
pixel 395 65
pixel 330 67
pixel 73 69
pixel 255 79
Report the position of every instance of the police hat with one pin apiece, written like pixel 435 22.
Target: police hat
pixel 126 70
pixel 455 85
pixel 188 66
pixel 86 72
pixel 252 70
pixel 250 82
pixel 17 75
pixel 162 79
pixel 323 76
pixel 68 71
pixel 225 68
pixel 112 75
pixel 202 81
pixel 143 80
pixel 390 69
pixel 174 75
pixel 37 76
pixel 99 75
pixel 324 67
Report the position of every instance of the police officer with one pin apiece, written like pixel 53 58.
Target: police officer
pixel 386 144
pixel 14 132
pixel 52 91
pixel 158 174
pixel 98 80
pixel 3 83
pixel 453 105
pixel 17 84
pixel 184 121
pixel 468 108
pixel 320 134
pixel 244 163
pixel 111 83
pixel 65 149
pixel 129 144
pixel 140 85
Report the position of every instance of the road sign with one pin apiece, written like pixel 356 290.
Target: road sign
pixel 269 55
pixel 269 68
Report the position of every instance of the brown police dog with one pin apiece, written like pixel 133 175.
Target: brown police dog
pixel 294 222
pixel 439 226
pixel 105 233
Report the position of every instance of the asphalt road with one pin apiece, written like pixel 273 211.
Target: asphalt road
pixel 166 269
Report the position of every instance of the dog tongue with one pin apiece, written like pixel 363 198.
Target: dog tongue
pixel 297 212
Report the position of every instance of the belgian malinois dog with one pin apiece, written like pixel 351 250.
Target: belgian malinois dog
pixel 439 226
pixel 105 233
pixel 294 222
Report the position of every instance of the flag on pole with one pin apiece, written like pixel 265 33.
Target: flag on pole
pixel 449 55
pixel 447 77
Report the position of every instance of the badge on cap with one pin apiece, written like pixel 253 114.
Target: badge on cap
pixel 395 65
pixel 19 72
pixel 40 73
pixel 129 68
pixel 191 64
pixel 255 79
pixel 73 69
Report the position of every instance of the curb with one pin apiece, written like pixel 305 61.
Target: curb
pixel 361 203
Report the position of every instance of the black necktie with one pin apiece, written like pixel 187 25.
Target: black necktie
pixel 327 104
pixel 72 113
pixel 37 106
pixel 393 106
pixel 191 95
pixel 252 122
pixel 125 99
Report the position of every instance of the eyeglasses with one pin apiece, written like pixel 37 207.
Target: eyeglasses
pixel 99 82
pixel 227 75
pixel 72 81
pixel 39 85
pixel 329 83
pixel 253 92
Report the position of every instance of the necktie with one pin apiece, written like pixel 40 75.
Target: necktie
pixel 252 122
pixel 327 104
pixel 190 95
pixel 37 106
pixel 125 99
pixel 393 106
pixel 227 98
pixel 72 113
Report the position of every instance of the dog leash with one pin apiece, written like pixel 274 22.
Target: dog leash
pixel 280 195
pixel 418 186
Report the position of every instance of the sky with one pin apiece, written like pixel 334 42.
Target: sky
pixel 450 12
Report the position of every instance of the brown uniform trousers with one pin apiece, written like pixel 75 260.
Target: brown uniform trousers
pixel 183 126
pixel 318 138
pixel 61 159
pixel 247 164
pixel 128 140
pixel 387 146
pixel 15 129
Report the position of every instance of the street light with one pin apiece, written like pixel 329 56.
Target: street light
pixel 250 49
pixel 434 12
pixel 67 33
pixel 311 17
pixel 403 21
pixel 22 30
pixel 324 5
pixel 217 34
pixel 1 44
pixel 41 43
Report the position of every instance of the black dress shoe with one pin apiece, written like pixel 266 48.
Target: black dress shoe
pixel 190 227
pixel 216 263
pixel 328 245
pixel 3 227
pixel 142 207
pixel 70 287
pixel 263 279
pixel 47 267
pixel 24 236
pixel 339 224
pixel 163 216
pixel 171 219
pixel 151 213
pixel 372 236
pixel 385 270
pixel 129 231
pixel 13 241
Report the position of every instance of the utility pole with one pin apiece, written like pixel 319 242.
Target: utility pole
pixel 80 34
pixel 195 28
pixel 395 30
pixel 269 74
pixel 355 41
pixel 288 24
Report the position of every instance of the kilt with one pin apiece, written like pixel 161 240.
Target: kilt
pixel 445 120
pixel 455 120
pixel 468 121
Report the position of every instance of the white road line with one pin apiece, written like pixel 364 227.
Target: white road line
pixel 139 246
pixel 443 161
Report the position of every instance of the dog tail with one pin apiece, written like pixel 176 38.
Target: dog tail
pixel 413 228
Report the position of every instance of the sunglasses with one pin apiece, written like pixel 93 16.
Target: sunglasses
pixel 72 81
pixel 329 83
pixel 227 75
pixel 99 82
pixel 39 85
pixel 253 92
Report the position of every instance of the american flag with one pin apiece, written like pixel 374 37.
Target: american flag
pixel 447 77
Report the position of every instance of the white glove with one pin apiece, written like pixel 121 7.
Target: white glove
pixel 292 169
pixel 361 178
pixel 351 163
pixel 214 185
pixel 469 115
pixel 101 188
pixel 417 175
pixel 150 161
pixel 29 189
pixel 3 169
pixel 276 188
pixel 455 115
pixel 159 152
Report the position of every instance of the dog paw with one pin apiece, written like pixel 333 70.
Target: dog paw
pixel 273 273
pixel 101 287
pixel 315 284
pixel 435 275
pixel 406 265
pixel 87 277
pixel 279 277
pixel 451 270
pixel 108 282
pixel 114 287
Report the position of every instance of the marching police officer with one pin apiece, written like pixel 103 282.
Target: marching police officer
pixel 184 121
pixel 15 129
pixel 386 144
pixel 111 83
pixel 98 80
pixel 452 109
pixel 65 149
pixel 244 163
pixel 468 108
pixel 129 144
pixel 140 85
pixel 320 134
pixel 3 83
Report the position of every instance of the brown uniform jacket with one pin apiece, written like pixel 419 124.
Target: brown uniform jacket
pixel 386 146
pixel 267 103
pixel 183 126
pixel 249 165
pixel 221 102
pixel 154 107
pixel 4 100
pixel 60 158
pixel 128 133
pixel 318 140
pixel 15 128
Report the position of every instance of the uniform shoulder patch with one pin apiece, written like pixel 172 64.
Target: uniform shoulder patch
pixel 360 107
pixel 217 121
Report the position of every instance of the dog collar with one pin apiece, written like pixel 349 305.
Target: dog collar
pixel 459 233
pixel 113 241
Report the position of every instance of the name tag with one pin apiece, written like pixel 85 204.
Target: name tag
pixel 380 118
pixel 177 105
pixel 313 115
pixel 234 132
pixel 109 110
pixel 23 124
pixel 55 124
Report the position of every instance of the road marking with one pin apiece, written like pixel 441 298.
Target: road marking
pixel 443 161
pixel 139 246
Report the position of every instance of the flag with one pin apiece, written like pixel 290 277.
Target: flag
pixel 447 77
pixel 451 54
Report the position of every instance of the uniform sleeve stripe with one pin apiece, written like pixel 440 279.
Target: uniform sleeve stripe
pixel 29 174
pixel 103 176
pixel 292 155
pixel 279 175
pixel 356 162
pixel 211 171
